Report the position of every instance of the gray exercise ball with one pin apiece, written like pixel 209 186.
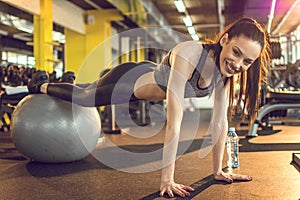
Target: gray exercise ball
pixel 47 129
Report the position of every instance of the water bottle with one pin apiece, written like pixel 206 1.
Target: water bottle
pixel 232 148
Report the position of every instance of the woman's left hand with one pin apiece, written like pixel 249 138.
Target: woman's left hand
pixel 228 177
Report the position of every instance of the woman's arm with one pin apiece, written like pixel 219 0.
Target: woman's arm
pixel 218 129
pixel 172 132
pixel 219 125
pixel 182 66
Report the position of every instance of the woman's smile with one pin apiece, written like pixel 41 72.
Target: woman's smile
pixel 229 67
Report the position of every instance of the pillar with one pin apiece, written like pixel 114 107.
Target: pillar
pixel 140 54
pixel 87 55
pixel 42 41
pixel 74 50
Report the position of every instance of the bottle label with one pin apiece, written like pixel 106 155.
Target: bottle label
pixel 232 148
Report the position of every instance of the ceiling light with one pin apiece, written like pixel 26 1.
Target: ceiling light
pixel 179 5
pixel 187 20
pixel 191 30
pixel 21 37
pixel 195 37
pixel 91 3
pixel 2 32
pixel 25 29
pixel 271 15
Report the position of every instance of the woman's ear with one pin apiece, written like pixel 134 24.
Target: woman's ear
pixel 224 39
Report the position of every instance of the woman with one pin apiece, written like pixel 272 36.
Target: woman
pixel 189 69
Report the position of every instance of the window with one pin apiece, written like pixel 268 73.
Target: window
pixel 18 59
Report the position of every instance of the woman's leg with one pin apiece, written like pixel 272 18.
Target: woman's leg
pixel 115 87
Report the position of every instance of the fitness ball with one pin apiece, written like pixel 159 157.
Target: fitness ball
pixel 49 130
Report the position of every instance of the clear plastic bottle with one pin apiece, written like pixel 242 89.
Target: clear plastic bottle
pixel 232 146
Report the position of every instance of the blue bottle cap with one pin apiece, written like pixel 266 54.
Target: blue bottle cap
pixel 232 129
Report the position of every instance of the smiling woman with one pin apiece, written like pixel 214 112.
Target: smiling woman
pixel 238 54
pixel 190 69
pixel 252 55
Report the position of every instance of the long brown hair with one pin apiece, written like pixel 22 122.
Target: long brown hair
pixel 248 82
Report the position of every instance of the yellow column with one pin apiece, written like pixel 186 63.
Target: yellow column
pixel 96 45
pixel 140 51
pixel 75 52
pixel 140 55
pixel 125 49
pixel 43 44
pixel 133 56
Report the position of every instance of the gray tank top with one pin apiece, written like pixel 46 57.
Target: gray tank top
pixel 192 89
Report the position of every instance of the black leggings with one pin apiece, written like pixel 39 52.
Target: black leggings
pixel 114 87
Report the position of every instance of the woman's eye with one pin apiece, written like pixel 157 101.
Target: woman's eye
pixel 236 52
pixel 246 62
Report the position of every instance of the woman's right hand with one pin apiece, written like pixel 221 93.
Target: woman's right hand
pixel 174 188
pixel 229 178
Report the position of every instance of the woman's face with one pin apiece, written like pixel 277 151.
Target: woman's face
pixel 237 54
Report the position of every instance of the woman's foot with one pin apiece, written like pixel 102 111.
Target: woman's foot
pixel 39 78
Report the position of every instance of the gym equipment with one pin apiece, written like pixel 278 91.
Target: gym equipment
pixel 276 50
pixel 278 101
pixel 68 77
pixel 7 106
pixel 47 129
pixel 293 77
pixel 284 94
pixel 107 115
pixel 9 101
pixel 285 76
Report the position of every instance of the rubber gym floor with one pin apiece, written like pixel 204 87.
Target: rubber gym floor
pixel 267 158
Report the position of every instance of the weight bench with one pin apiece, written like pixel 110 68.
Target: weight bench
pixel 277 101
pixel 7 105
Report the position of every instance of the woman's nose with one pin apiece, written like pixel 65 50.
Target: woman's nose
pixel 237 65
